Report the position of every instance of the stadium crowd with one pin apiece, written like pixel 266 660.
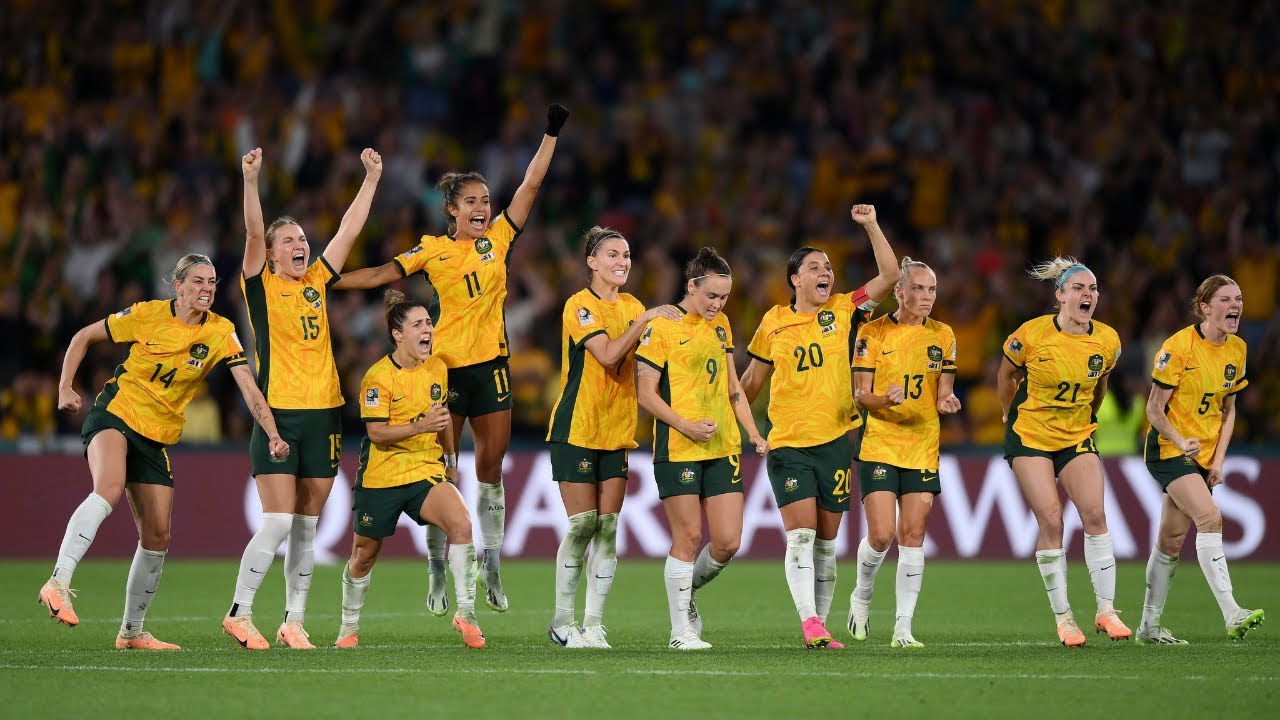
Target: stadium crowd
pixel 1144 140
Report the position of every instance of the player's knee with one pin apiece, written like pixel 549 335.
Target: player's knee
pixel 457 527
pixel 1170 545
pixel 1210 521
pixel 910 537
pixel 686 542
pixel 879 539
pixel 1093 520
pixel 361 564
pixel 723 549
pixel 1051 525
pixel 156 539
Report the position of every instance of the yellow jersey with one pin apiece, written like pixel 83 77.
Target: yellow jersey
pixel 290 321
pixel 904 435
pixel 1051 408
pixel 470 280
pixel 398 396
pixel 167 360
pixel 691 356
pixel 597 407
pixel 810 391
pixel 1201 375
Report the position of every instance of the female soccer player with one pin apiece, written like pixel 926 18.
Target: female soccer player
pixel 468 269
pixel 593 424
pixel 404 461
pixel 905 365
pixel 287 295
pixel 687 381
pixel 803 349
pixel 175 343
pixel 1192 411
pixel 1051 381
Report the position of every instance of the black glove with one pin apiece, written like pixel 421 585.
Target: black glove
pixel 556 115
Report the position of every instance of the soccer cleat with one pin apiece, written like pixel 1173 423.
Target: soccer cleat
pixel 437 594
pixel 1156 635
pixel 835 645
pixel 292 634
pixel 348 636
pixel 56 598
pixel 143 641
pixel 595 637
pixel 470 630
pixel 859 617
pixel 1069 633
pixel 569 636
pixel 1109 623
pixel 686 639
pixel 815 635
pixel 491 580
pixel 695 618
pixel 1244 621
pixel 242 629
pixel 902 639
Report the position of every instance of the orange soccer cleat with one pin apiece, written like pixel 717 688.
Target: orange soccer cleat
pixel 1069 633
pixel 242 629
pixel 143 641
pixel 1109 622
pixel 56 598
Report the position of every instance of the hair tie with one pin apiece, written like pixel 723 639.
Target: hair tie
pixel 1062 279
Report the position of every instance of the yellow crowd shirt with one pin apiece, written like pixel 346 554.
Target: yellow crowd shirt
pixel 810 391
pixel 398 396
pixel 470 281
pixel 1201 375
pixel 913 356
pixel 691 356
pixel 290 318
pixel 1051 408
pixel 167 361
pixel 597 407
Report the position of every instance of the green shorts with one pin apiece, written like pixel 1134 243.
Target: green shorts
pixel 873 476
pixel 820 472
pixel 315 444
pixel 1166 471
pixel 704 478
pixel 377 510
pixel 570 463
pixel 480 389
pixel 145 460
pixel 1013 448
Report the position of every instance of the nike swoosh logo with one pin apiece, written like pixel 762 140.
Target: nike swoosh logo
pixel 603 577
pixel 735 481
pixel 571 567
pixel 775 332
pixel 82 535
pixel 304 574
pixel 150 592
pixel 804 567
pixel 1193 367
pixel 685 341
pixel 54 612
pixel 913 574
pixel 149 343
pixel 286 294
pixel 928 479
pixel 1108 567
pixel 685 588
pixel 244 642
pixel 1055 587
pixel 870 565
pixel 445 257
pixel 502 398
pixel 1217 558
pixel 1043 359
pixel 888 352
pixel 822 579
pixel 256 572
pixel 397 399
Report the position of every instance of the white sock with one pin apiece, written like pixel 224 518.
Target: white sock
pixel 601 568
pixel 869 561
pixel 462 561
pixel 139 590
pixel 81 529
pixel 1213 562
pixel 798 566
pixel 257 558
pixel 907 587
pixel 436 541
pixel 1053 571
pixel 678 575
pixel 491 512
pixel 824 576
pixel 1100 557
pixel 353 592
pixel 299 564
pixel 706 568
pixel 569 565
pixel 1160 570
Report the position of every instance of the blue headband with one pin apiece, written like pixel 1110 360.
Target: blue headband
pixel 1062 279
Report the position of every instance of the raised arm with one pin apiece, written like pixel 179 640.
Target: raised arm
pixel 255 234
pixel 68 399
pixel 753 380
pixel 353 221
pixel 522 201
pixel 370 277
pixel 886 262
pixel 1156 403
pixel 1006 385
pixel 611 351
pixel 742 409
pixel 259 409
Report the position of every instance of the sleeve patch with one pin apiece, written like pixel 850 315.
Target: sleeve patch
pixel 124 312
pixel 1015 345
pixel 371 397
pixel 585 318
pixel 1162 362
pixel 644 339
pixel 860 349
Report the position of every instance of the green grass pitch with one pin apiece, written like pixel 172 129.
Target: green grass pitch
pixel 990 651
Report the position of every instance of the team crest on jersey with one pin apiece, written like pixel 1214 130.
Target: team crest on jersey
pixel 200 351
pixel 720 333
pixel 436 392
pixel 827 321
pixel 585 317
pixel 371 397
pixel 312 296
pixel 644 339
pixel 1230 372
pixel 860 349
pixel 790 484
pixel 366 520
pixel 584 466
pixel 1095 365
pixel 879 473
pixel 686 476
pixel 484 246
pixel 1162 362
pixel 1015 345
